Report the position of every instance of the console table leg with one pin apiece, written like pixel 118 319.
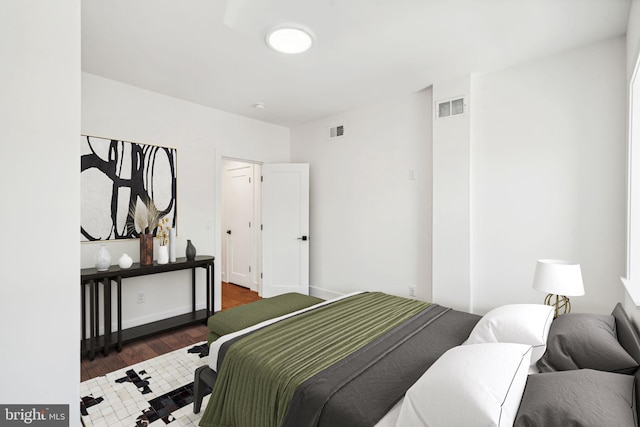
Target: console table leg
pixel 106 284
pixel 96 303
pixel 209 291
pixel 119 307
pixel 83 311
pixel 193 290
pixel 92 318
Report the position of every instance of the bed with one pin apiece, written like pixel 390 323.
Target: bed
pixel 371 359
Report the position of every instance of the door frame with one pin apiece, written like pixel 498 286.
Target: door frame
pixel 256 242
pixel 217 223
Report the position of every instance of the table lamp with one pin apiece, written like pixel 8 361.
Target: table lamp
pixel 559 279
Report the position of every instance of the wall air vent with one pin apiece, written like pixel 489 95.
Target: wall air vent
pixel 451 107
pixel 336 131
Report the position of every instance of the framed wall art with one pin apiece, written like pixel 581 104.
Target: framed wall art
pixel 123 182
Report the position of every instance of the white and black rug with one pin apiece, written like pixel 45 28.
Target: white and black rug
pixel 155 392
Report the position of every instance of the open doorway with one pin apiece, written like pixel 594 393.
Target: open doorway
pixel 240 218
pixel 263 228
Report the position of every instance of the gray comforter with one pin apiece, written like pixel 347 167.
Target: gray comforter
pixel 359 389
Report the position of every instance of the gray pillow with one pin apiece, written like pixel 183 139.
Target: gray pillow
pixel 577 398
pixel 585 341
pixel 627 335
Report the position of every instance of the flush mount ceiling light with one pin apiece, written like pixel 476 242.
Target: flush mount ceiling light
pixel 289 39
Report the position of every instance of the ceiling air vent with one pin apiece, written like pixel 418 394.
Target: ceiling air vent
pixel 452 107
pixel 337 131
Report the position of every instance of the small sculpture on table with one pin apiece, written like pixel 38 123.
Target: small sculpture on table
pixel 191 251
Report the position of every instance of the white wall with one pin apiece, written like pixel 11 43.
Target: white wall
pixel 545 175
pixel 202 136
pixel 548 175
pixel 370 224
pixel 39 181
pixel 452 198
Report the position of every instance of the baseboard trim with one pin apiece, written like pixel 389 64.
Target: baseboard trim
pixel 325 294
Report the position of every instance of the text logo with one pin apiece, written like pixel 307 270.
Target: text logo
pixel 34 415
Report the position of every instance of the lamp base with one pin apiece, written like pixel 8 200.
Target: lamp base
pixel 561 302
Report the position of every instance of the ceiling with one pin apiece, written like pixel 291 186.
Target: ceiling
pixel 212 52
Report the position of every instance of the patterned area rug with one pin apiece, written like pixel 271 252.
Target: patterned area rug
pixel 155 392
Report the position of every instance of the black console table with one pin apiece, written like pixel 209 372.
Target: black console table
pixel 91 278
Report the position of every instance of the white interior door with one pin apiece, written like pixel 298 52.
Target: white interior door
pixel 238 197
pixel 285 229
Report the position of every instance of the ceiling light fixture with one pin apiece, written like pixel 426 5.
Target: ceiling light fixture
pixel 289 39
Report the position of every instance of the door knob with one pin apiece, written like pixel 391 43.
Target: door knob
pixel 303 238
pixel 228 231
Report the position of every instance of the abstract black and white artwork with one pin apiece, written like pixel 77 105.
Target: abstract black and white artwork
pixel 116 175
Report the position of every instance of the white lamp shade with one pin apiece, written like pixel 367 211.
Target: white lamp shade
pixel 558 277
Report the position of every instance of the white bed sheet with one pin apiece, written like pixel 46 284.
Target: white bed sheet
pixel 391 418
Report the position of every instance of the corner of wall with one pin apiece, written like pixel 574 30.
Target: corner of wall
pixel 451 199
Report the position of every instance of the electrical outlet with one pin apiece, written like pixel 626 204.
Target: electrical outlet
pixel 412 291
pixel 140 298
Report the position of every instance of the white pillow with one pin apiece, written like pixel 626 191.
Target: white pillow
pixel 470 385
pixel 516 323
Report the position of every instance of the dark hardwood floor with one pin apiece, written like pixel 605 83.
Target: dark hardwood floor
pixel 138 351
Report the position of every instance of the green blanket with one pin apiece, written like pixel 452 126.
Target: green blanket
pixel 260 373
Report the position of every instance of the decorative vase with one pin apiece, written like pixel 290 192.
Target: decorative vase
pixel 103 258
pixel 163 254
pixel 146 249
pixel 172 245
pixel 191 251
pixel 125 261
